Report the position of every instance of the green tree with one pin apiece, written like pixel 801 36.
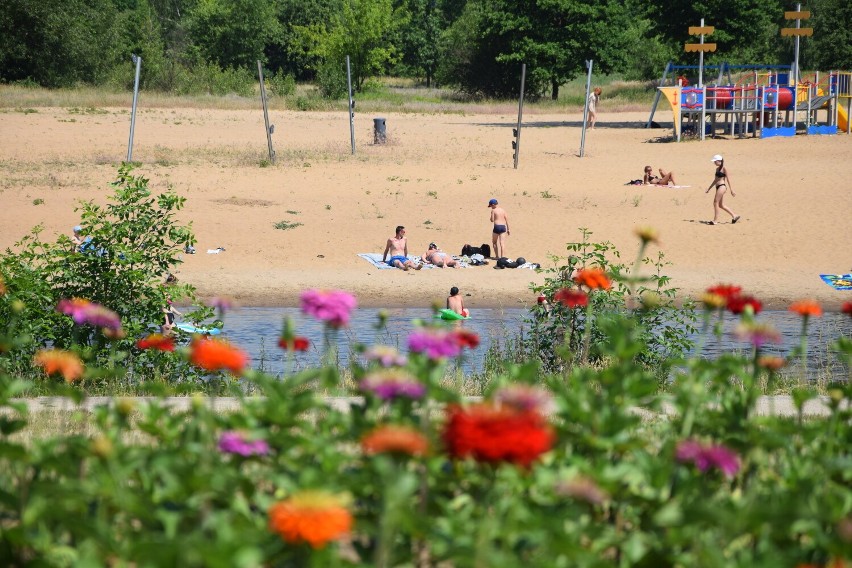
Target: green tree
pixel 553 37
pixel 831 45
pixel 292 53
pixel 233 33
pixel 421 38
pixel 363 30
pixel 747 31
pixel 57 43
pixel 134 242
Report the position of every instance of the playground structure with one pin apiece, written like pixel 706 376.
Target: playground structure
pixel 756 100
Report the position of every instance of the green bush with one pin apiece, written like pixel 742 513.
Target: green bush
pixel 282 85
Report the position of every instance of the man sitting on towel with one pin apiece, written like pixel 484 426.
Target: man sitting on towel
pixel 398 248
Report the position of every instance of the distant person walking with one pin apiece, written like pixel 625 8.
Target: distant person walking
pixel 397 246
pixel 500 230
pixel 594 97
pixel 722 183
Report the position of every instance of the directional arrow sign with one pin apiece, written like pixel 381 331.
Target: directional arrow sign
pixel 699 47
pixel 797 32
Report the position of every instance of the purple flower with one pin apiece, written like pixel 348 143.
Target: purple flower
pixel 85 312
pixel 386 355
pixel 391 384
pixel 232 442
pixel 435 343
pixel 707 456
pixel 331 306
pixel 222 304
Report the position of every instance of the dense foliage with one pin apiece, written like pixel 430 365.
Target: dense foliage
pixel 474 45
pixel 575 469
pixel 563 331
pixel 131 244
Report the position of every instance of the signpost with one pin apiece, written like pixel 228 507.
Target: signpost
pixel 797 32
pixel 701 47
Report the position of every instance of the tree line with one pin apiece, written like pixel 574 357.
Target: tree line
pixel 474 46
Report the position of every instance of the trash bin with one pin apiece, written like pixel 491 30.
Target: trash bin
pixel 379 131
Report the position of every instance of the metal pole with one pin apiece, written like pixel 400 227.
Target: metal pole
pixel 265 112
pixel 520 114
pixel 657 94
pixel 701 60
pixel 351 106
pixel 589 63
pixel 796 79
pixel 138 61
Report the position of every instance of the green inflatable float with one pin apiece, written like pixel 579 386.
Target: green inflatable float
pixel 448 314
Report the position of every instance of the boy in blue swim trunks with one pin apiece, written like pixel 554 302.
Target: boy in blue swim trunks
pixel 397 246
pixel 500 220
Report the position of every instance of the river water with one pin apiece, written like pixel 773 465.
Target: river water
pixel 256 330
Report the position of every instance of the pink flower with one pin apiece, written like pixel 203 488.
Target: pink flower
pixel 435 343
pixel 84 312
pixel 386 355
pixel 708 456
pixel 758 334
pixel 391 384
pixel 331 306
pixel 232 442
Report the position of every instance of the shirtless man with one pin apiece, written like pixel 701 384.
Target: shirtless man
pixel 438 257
pixel 398 248
pixel 456 303
pixel 500 219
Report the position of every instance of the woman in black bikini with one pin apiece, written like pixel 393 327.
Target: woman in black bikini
pixel 722 183
pixel 663 179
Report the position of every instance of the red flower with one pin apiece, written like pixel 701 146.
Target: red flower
pixel 295 344
pixel 806 308
pixel 847 308
pixel 725 290
pixel 466 338
pixel 737 304
pixel 213 355
pixel 593 278
pixel 572 298
pixel 494 435
pixel 156 341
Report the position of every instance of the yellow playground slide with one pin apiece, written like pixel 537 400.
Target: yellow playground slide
pixel 842 119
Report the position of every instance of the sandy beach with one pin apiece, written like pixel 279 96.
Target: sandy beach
pixel 435 176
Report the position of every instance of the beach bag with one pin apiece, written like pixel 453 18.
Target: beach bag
pixel 484 250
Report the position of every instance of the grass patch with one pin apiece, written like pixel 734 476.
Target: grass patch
pixel 285 225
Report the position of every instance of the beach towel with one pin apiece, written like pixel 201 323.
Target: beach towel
pixel 838 281
pixel 376 260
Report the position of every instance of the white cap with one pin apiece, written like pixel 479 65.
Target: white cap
pixel 717 158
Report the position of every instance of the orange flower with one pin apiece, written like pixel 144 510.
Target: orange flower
pixel 593 279
pixel 771 362
pixel 314 517
pixel 2 286
pixel 395 440
pixel 214 354
pixel 806 308
pixel 157 341
pixel 65 363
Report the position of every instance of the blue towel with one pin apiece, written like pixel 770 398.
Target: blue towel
pixel 838 281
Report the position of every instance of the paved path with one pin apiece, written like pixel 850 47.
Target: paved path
pixel 779 405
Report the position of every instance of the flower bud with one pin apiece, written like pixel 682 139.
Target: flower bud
pixel 101 447
pixel 650 300
pixel 125 406
pixel 18 306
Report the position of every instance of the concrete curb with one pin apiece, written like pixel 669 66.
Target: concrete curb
pixel 777 405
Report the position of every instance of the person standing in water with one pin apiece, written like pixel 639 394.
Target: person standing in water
pixel 722 183
pixel 500 230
